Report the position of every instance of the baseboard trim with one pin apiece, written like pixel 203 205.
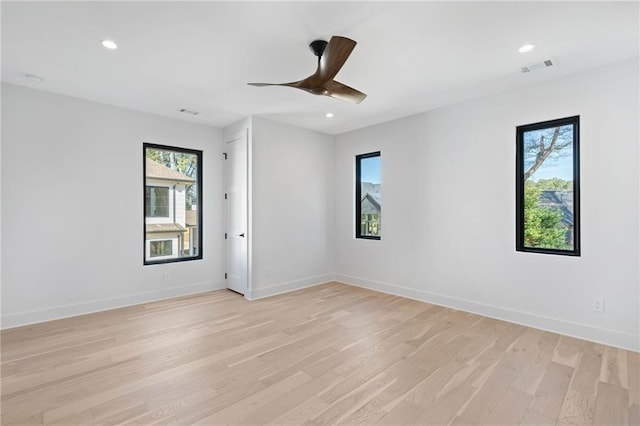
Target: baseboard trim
pixel 582 331
pixel 66 311
pixel 262 292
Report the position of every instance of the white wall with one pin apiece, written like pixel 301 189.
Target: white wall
pixel 448 185
pixel 72 207
pixel 292 203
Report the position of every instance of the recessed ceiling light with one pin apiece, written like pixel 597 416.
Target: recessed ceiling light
pixel 329 115
pixel 109 44
pixel 526 48
pixel 33 78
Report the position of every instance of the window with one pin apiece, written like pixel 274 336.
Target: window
pixel 547 187
pixel 161 248
pixel 157 201
pixel 368 196
pixel 172 204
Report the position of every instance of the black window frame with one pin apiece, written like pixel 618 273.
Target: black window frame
pixel 358 198
pixel 199 182
pixel 520 185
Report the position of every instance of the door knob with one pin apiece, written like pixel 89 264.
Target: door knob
pixel 241 235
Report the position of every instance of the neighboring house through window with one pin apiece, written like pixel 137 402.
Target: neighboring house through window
pixel 172 204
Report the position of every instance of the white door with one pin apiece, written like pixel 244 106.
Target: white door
pixel 237 265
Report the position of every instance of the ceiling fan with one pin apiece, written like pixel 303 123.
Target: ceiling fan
pixel 331 58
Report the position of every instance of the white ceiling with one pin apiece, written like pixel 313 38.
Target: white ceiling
pixel 410 57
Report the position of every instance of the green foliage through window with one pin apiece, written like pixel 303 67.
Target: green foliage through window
pixel 543 226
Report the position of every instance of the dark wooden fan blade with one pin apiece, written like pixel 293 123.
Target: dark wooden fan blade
pixel 338 90
pixel 272 84
pixel 334 57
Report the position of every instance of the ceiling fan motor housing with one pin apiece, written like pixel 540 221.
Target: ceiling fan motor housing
pixel 317 47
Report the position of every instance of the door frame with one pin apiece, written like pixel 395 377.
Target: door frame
pixel 242 134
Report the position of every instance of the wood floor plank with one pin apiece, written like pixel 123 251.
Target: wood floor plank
pixel 403 414
pixel 427 391
pixel 491 392
pixel 301 413
pixel 457 385
pixel 445 407
pixel 533 418
pixel 614 367
pixel 568 351
pixel 341 409
pixel 363 372
pixel 529 378
pixel 577 410
pixel 507 334
pixel 82 418
pixel 511 408
pixel 475 348
pixel 634 414
pixel 587 374
pixel 234 413
pixel 633 361
pixel 166 406
pixel 408 376
pixel 330 354
pixel 550 394
pixel 289 401
pixel 612 405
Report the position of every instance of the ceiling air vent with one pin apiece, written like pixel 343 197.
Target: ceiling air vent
pixel 539 65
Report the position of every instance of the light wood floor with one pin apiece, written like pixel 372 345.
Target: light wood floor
pixel 331 354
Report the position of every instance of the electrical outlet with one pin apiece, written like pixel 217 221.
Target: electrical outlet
pixel 166 276
pixel 268 275
pixel 598 304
